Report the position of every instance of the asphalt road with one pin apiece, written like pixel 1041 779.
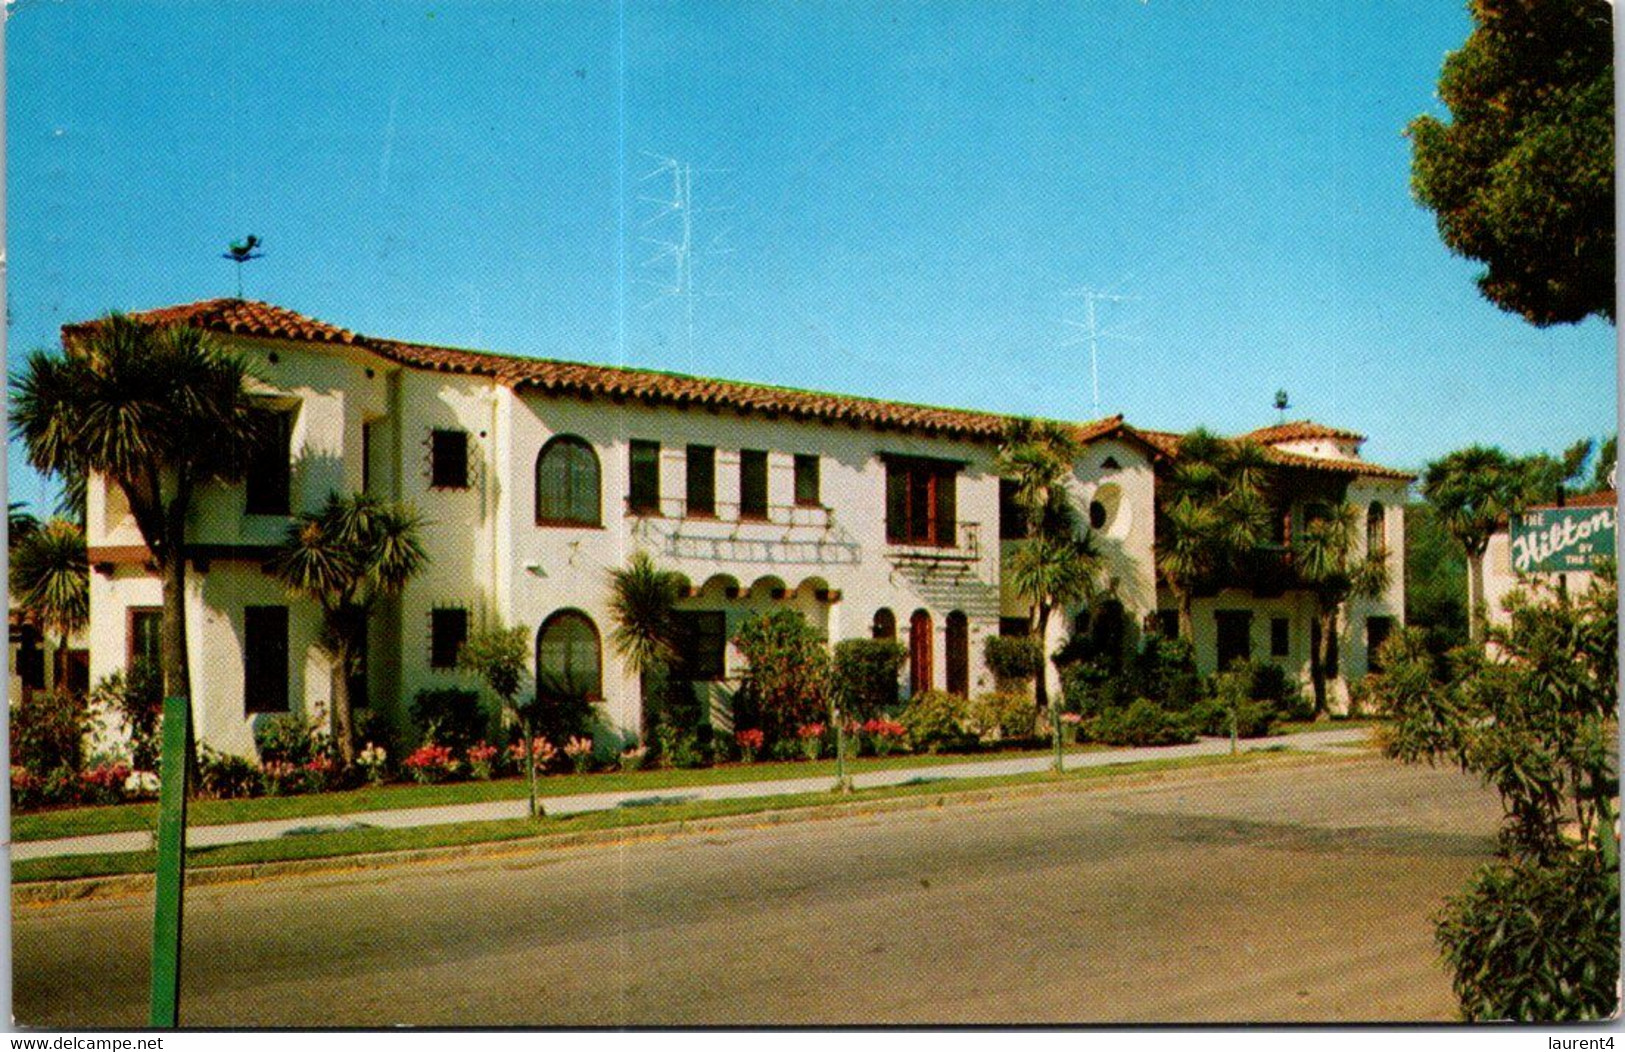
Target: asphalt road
pixel 1299 892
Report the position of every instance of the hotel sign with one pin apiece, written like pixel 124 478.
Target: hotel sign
pixel 1556 540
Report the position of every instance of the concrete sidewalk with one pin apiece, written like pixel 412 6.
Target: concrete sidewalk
pixel 215 835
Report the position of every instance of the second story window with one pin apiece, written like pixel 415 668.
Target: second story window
pixel 921 502
pixel 448 628
pixel 566 483
pixel 643 490
pixel 702 481
pixel 1376 530
pixel 752 484
pixel 448 459
pixel 807 480
pixel 267 482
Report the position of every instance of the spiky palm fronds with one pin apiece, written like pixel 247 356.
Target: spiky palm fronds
pixel 50 577
pixel 641 601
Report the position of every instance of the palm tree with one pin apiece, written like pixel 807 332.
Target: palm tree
pixel 50 582
pixel 1332 566
pixel 642 603
pixel 157 411
pixel 1213 514
pixel 1055 566
pixel 1473 491
pixel 20 522
pixel 356 550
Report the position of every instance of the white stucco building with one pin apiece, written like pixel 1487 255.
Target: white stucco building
pixel 535 477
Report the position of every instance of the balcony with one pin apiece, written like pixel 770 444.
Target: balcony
pixel 784 534
pixel 731 513
pixel 966 547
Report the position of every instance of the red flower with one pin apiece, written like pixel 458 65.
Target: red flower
pixel 810 730
pixel 751 739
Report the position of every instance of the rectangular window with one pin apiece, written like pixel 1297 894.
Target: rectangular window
pixel 807 480
pixel 1014 626
pixel 448 459
pixel 144 639
pixel 921 501
pixel 1012 520
pixel 267 481
pixel 1280 637
pixel 265 659
pixel 752 484
pixel 702 480
pixel 702 638
pixel 1377 630
pixel 643 492
pixel 448 627
pixel 30 656
pixel 1168 624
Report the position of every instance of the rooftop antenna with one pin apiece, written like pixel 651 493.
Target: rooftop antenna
pixel 676 214
pixel 241 252
pixel 1093 334
pixel 1282 404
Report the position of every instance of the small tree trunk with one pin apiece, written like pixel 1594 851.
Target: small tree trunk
pixel 1041 687
pixel 1317 660
pixel 530 763
pixel 1187 618
pixel 1475 599
pixel 339 704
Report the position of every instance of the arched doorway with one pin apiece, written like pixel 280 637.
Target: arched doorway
pixel 956 646
pixel 919 652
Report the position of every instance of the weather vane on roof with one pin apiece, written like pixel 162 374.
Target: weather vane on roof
pixel 241 252
pixel 1281 404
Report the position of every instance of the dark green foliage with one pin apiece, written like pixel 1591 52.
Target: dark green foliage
pixel 451 717
pixel 223 776
pixel 1013 660
pixel 1522 178
pixel 1003 716
pixel 863 676
pixel 937 720
pixel 1535 942
pixel 287 738
pixel 138 698
pixel 1165 671
pixel 1142 723
pixel 48 731
pixel 788 673
pixel 1091 687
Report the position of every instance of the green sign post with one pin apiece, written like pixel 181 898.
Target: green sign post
pixel 166 921
pixel 1562 540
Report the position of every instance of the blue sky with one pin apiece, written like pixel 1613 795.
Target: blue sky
pixel 891 199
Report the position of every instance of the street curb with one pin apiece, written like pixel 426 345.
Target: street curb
pixel 48 892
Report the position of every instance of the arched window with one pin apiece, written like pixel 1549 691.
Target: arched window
pixel 567 483
pixel 956 643
pixel 919 652
pixel 1376 529
pixel 885 625
pixel 567 657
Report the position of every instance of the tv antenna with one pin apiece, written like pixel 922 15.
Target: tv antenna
pixel 240 252
pixel 1092 332
pixel 675 214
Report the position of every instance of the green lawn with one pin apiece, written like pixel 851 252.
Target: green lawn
pixel 368 841
pixel 118 818
pixel 1336 723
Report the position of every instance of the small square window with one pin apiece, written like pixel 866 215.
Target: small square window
pixel 448 628
pixel 448 459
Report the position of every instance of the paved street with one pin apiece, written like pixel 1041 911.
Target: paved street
pixel 1298 893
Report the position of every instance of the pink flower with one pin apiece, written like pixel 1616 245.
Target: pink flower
pixel 482 753
pixel 751 739
pixel 810 730
pixel 540 748
pixel 429 756
pixel 881 728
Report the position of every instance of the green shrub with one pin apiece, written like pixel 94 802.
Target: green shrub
pixel 1165 671
pixel 48 731
pixel 288 737
pixel 863 676
pixel 1211 716
pixel 226 777
pixel 1013 660
pixel 788 670
pixel 452 717
pixel 1091 687
pixel 1003 715
pixel 937 720
pixel 1142 723
pixel 137 696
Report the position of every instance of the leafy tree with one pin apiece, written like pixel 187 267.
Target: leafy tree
pixel 1472 492
pixel 1535 936
pixel 157 411
pixel 50 582
pixel 788 673
pixel 20 522
pixel 1603 466
pixel 1435 579
pixel 500 657
pixel 863 676
pixel 346 556
pixel 1522 178
pixel 642 603
pixel 1334 568
pixel 1213 514
pixel 1055 566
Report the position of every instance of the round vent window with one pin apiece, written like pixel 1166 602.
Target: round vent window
pixel 1097 515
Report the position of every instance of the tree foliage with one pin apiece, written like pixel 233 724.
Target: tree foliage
pixel 788 675
pixel 1435 579
pixel 1535 936
pixel 1334 568
pixel 1521 179
pixel 50 578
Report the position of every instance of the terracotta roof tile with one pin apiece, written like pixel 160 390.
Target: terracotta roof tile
pixel 1297 430
pixel 241 317
pixel 1168 443
pixel 1603 499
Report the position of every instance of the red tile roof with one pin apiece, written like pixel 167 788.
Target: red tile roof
pixel 1298 430
pixel 241 317
pixel 1602 499
pixel 1167 442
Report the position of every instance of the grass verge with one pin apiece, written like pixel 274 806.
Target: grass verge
pixel 372 841
pixel 122 818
